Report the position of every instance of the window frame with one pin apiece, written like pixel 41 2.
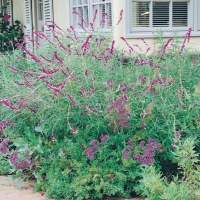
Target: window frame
pixel 198 15
pixel 90 5
pixel 168 32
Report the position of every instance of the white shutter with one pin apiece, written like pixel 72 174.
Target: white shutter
pixel 28 19
pixel 109 11
pixel 9 11
pixel 47 6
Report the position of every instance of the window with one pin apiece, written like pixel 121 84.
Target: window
pixel 86 9
pixel 146 16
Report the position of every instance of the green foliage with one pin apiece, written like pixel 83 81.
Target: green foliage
pixel 64 96
pixel 154 186
pixel 10 35
pixel 5 167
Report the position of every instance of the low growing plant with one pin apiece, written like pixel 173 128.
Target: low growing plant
pixel 183 186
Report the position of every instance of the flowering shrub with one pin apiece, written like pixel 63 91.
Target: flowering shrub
pixel 148 152
pixel 10 35
pixel 78 112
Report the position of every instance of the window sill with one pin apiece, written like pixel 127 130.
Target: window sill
pixel 165 34
pixel 103 30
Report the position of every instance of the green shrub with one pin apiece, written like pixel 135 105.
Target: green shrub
pixel 183 186
pixel 82 116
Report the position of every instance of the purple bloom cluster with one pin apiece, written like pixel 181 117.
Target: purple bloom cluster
pixel 91 150
pixel 94 142
pixel 104 138
pixel 4 144
pixel 123 116
pixel 126 153
pixel 3 124
pixel 148 152
pixel 119 105
pixel 23 164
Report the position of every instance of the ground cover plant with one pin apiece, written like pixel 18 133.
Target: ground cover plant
pixel 84 118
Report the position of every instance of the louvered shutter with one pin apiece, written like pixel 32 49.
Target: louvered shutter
pixel 47 6
pixel 28 19
pixel 109 8
pixel 9 11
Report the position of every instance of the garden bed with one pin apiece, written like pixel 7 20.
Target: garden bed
pixel 88 121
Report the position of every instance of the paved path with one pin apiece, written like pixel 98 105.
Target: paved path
pixel 9 191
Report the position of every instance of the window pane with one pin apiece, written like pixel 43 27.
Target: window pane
pixel 75 22
pixel 74 3
pixel 180 14
pixel 104 15
pixel 83 11
pixel 160 14
pixel 140 14
pixel 79 2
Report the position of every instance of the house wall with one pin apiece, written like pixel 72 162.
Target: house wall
pixel 60 13
pixel 119 31
pixel 60 16
pixel 18 11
